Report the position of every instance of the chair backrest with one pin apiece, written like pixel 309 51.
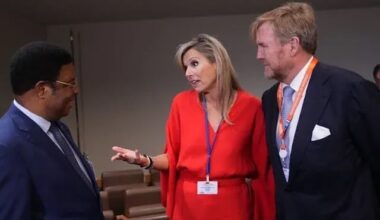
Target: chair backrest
pixel 116 195
pixel 155 176
pixel 107 212
pixel 121 177
pixel 104 200
pixel 143 201
pixel 159 216
pixel 142 196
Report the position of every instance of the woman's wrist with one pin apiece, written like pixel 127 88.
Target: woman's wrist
pixel 148 162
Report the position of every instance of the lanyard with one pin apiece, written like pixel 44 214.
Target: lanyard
pixel 207 134
pixel 283 128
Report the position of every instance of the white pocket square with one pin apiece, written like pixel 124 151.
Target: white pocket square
pixel 320 132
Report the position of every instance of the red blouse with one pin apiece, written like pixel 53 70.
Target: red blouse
pixel 239 152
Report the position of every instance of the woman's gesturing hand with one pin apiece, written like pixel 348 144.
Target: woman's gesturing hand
pixel 127 155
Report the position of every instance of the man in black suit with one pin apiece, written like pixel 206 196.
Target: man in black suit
pixel 43 175
pixel 322 124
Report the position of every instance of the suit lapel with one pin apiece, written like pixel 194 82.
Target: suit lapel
pixel 39 139
pixel 36 136
pixel 316 98
pixel 271 112
pixel 84 161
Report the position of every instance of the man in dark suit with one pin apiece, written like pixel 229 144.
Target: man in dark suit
pixel 376 75
pixel 322 124
pixel 43 175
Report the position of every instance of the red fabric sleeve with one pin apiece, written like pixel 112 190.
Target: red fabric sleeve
pixel 168 178
pixel 263 183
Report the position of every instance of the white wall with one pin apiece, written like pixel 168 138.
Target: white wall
pixel 15 32
pixel 128 76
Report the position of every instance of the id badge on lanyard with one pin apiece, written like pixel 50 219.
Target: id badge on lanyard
pixel 208 187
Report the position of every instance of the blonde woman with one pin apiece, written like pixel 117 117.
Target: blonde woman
pixel 214 140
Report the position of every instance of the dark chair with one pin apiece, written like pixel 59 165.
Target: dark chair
pixel 116 182
pixel 121 177
pixel 155 176
pixel 161 216
pixel 107 212
pixel 144 201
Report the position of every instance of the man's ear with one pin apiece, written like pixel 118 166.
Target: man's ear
pixel 294 45
pixel 42 88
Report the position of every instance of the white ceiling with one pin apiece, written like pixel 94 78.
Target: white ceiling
pixel 85 11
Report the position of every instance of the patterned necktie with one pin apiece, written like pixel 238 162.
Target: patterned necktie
pixel 68 152
pixel 286 106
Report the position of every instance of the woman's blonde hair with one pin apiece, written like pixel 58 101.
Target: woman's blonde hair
pixel 215 52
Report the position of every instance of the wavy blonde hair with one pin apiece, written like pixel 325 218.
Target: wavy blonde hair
pixel 215 52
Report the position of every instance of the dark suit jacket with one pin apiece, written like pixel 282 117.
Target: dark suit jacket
pixel 36 180
pixel 337 177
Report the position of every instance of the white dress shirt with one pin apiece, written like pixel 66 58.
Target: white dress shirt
pixel 295 84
